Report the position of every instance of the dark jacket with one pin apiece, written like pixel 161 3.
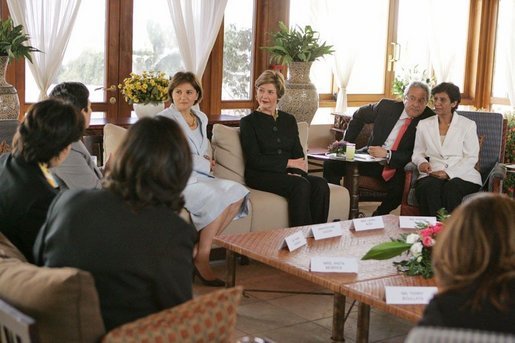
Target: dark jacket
pixel 141 261
pixel 385 115
pixel 450 309
pixel 25 196
pixel 268 144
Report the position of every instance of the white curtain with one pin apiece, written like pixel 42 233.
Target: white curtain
pixel 196 24
pixel 509 57
pixel 338 21
pixel 49 25
pixel 445 22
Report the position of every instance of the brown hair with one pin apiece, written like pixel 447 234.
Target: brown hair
pixel 152 165
pixel 185 77
pixel 47 129
pixel 273 77
pixel 477 249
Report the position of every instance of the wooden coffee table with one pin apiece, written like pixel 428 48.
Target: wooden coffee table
pixel 367 286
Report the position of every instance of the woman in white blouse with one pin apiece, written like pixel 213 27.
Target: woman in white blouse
pixel 446 152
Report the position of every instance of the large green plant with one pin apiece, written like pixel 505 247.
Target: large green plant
pixel 12 39
pixel 296 45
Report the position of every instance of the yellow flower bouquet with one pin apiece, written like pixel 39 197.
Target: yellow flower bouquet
pixel 147 87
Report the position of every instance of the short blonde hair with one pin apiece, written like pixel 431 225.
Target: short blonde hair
pixel 273 77
pixel 477 249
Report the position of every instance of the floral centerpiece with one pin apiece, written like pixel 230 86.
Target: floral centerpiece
pixel 337 147
pixel 147 87
pixel 418 247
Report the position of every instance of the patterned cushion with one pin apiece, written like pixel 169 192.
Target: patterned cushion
pixel 4 147
pixel 207 318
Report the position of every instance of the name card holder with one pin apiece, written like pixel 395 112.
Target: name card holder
pixel 334 264
pixel 294 241
pixel 324 231
pixel 411 222
pixel 371 223
pixel 409 295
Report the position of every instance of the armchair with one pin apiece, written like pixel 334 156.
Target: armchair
pixel 491 129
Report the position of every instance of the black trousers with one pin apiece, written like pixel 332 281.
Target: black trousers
pixel 433 194
pixel 335 170
pixel 308 197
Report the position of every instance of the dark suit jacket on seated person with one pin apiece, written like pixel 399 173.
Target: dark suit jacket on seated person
pixel 25 196
pixel 384 115
pixel 267 145
pixel 141 261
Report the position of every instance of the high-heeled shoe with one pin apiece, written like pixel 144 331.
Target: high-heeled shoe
pixel 210 283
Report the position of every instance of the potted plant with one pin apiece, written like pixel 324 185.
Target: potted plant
pixel 147 92
pixel 12 46
pixel 298 48
pixel 296 45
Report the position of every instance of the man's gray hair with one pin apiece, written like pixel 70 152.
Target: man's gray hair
pixel 418 84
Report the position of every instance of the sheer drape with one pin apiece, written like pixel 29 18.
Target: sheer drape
pixel 338 21
pixel 510 59
pixel 444 27
pixel 196 24
pixel 49 25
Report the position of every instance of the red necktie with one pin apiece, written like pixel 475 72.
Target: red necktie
pixel 388 172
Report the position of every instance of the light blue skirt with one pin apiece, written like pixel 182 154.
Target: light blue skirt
pixel 207 197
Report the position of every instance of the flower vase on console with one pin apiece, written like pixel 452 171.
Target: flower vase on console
pixel 148 110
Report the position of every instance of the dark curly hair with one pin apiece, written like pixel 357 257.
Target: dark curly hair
pixel 152 165
pixel 75 92
pixel 185 77
pixel 48 128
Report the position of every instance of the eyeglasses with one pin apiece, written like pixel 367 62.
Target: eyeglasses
pixel 411 98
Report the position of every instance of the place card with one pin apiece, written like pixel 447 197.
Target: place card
pixel 411 222
pixel 334 264
pixel 370 223
pixel 326 231
pixel 294 241
pixel 409 295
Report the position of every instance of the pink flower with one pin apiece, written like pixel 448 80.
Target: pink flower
pixel 428 241
pixel 437 227
pixel 426 232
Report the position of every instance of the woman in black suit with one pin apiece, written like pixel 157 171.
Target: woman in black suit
pixel 27 188
pixel 274 158
pixel 129 235
pixel 474 264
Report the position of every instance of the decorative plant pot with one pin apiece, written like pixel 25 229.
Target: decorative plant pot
pixel 301 96
pixel 148 110
pixel 9 102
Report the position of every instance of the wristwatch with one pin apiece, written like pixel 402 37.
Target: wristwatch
pixel 388 155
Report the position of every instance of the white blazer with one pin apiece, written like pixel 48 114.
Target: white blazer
pixel 198 148
pixel 458 154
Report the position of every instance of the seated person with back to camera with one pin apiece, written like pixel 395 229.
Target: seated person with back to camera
pixel 392 138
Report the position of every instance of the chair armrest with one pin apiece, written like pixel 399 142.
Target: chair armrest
pixel 495 178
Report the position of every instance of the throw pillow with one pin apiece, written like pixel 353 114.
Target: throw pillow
pixel 4 147
pixel 228 153
pixel 63 301
pixel 8 250
pixel 208 318
pixel 113 136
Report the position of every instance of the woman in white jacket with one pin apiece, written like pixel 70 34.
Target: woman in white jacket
pixel 446 152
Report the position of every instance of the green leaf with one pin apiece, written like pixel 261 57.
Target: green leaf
pixel 386 250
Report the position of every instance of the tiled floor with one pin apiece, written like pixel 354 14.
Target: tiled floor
pixel 286 317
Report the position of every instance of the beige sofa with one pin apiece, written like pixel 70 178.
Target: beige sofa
pixel 267 210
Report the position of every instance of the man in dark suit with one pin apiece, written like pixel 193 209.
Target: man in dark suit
pixel 392 138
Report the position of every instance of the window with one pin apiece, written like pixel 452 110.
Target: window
pixel 154 44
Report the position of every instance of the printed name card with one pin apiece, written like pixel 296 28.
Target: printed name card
pixel 334 264
pixel 326 231
pixel 295 241
pixel 409 295
pixel 411 222
pixel 371 223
